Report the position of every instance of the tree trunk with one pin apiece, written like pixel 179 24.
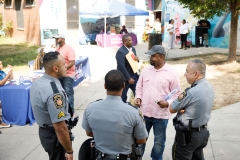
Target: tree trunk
pixel 233 32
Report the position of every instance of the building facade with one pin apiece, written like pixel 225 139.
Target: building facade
pixel 24 16
pixel 37 21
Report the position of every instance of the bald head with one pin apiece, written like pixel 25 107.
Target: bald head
pixel 198 65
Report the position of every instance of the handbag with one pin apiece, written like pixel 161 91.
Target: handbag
pixel 170 33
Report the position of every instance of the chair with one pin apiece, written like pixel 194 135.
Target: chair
pixel 85 150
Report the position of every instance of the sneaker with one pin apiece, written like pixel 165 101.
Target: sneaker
pixel 4 125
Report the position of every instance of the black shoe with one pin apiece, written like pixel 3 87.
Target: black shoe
pixel 207 46
pixel 181 48
pixel 185 48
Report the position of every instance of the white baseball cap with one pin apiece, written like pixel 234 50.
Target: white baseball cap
pixel 60 35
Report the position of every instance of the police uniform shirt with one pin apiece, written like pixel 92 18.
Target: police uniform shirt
pixel 113 124
pixel 197 103
pixel 48 107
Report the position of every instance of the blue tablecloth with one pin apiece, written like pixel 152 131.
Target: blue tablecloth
pixel 82 69
pixel 16 107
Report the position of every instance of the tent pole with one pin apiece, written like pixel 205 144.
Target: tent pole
pixel 105 31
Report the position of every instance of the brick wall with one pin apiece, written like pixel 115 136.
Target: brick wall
pixel 1 8
pixel 31 30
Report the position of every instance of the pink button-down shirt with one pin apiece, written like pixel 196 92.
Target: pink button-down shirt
pixel 69 55
pixel 154 85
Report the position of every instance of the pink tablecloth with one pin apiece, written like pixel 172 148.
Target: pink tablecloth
pixel 114 40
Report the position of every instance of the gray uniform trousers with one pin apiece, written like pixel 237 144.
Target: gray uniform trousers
pixel 194 149
pixel 51 145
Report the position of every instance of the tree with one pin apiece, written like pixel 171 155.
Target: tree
pixel 209 8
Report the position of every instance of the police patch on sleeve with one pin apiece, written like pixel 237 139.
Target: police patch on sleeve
pixel 61 114
pixel 58 101
pixel 182 96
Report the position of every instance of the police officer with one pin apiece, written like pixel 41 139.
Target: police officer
pixel 114 124
pixel 195 105
pixel 50 108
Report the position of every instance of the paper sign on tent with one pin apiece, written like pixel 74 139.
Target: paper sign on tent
pixel 134 64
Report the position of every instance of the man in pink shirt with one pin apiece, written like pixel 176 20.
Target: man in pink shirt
pixel 157 87
pixel 69 55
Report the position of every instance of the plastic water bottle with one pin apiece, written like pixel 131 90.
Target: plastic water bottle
pixel 21 79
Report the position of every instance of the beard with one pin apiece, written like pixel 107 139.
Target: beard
pixel 60 43
pixel 152 63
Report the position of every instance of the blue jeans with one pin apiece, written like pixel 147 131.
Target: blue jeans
pixel 159 130
pixel 67 84
pixel 131 86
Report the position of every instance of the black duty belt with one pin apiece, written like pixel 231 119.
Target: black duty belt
pixel 199 128
pixel 112 156
pixel 47 128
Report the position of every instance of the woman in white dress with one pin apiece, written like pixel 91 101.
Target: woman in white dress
pixel 171 34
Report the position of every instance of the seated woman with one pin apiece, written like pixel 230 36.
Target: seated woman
pixel 38 64
pixel 4 77
pixel 123 30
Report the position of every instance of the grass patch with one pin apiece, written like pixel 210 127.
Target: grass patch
pixel 16 54
pixel 209 59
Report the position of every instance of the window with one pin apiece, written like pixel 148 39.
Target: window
pixel 130 20
pixel 29 2
pixel 19 14
pixel 72 14
pixel 8 3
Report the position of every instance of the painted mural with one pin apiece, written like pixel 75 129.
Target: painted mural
pixel 219 32
pixel 173 10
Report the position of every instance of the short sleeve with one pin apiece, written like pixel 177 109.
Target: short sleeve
pixel 2 75
pixel 182 101
pixel 140 129
pixel 71 54
pixel 57 108
pixel 85 124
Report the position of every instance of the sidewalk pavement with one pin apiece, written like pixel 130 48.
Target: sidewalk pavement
pixel 22 142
